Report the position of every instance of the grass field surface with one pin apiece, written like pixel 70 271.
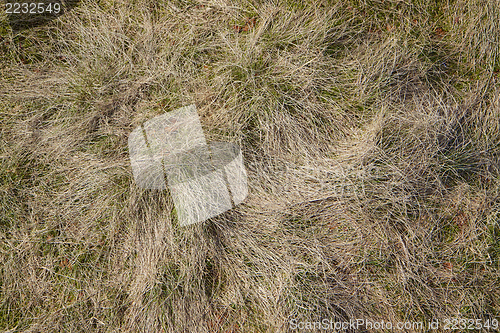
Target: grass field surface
pixel 370 132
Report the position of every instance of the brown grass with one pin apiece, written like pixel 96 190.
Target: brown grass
pixel 370 131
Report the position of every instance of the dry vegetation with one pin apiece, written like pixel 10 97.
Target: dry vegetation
pixel 371 135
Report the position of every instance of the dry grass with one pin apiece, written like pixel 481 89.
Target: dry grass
pixel 371 135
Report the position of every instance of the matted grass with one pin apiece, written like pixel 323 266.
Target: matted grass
pixel 371 136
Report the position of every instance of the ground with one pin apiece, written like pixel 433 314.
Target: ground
pixel 371 137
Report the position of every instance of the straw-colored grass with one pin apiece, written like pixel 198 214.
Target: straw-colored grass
pixel 371 137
